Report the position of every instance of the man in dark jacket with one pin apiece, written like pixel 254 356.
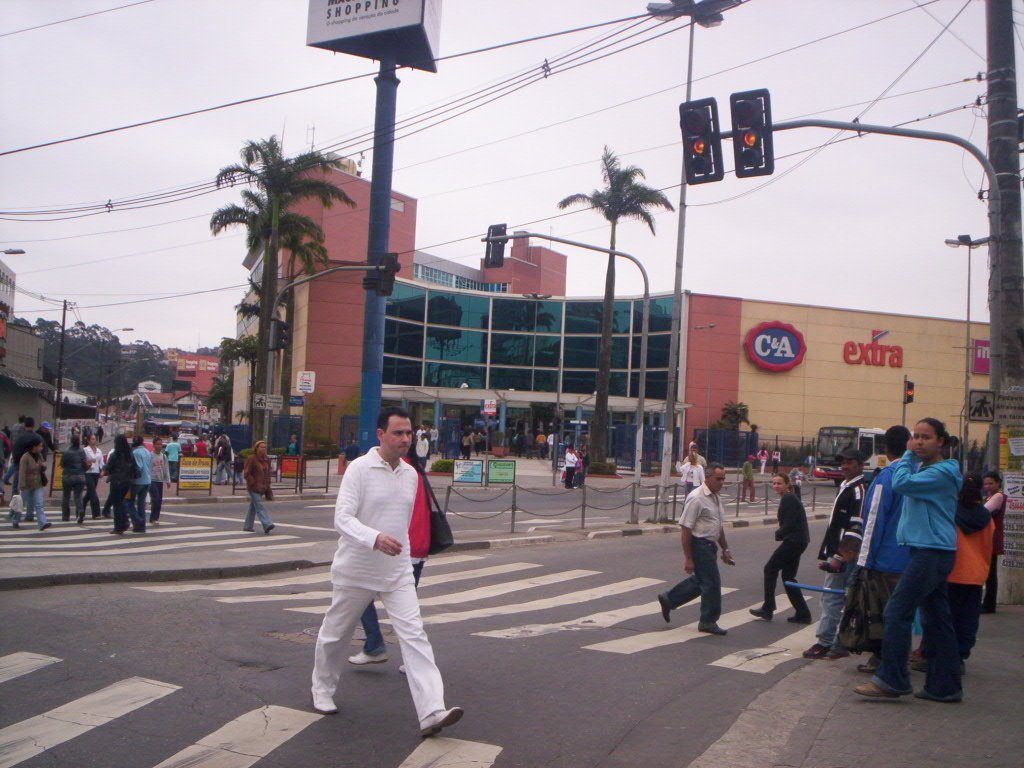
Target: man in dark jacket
pixel 22 441
pixel 838 551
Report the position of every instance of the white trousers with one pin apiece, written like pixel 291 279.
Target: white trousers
pixel 333 643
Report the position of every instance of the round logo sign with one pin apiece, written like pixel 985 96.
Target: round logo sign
pixel 775 346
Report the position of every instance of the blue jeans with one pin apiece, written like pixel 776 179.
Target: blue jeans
pixel 33 501
pixel 374 644
pixel 922 585
pixel 138 508
pixel 256 509
pixel 832 607
pixel 123 508
pixel 704 582
pixel 156 501
pixel 173 467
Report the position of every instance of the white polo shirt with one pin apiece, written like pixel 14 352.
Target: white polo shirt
pixel 373 499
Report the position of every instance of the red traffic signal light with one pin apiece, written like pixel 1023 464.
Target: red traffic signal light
pixel 752 133
pixel 702 141
pixel 908 393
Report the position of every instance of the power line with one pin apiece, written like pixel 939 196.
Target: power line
pixel 73 18
pixel 141 301
pixel 300 89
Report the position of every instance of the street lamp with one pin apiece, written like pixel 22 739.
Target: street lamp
pixel 706 13
pixel 968 242
pixel 707 377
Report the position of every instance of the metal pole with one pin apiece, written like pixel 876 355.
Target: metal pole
pixel 268 382
pixel 60 371
pixel 513 526
pixel 632 501
pixel 903 398
pixel 583 507
pixel 380 226
pixel 967 369
pixel 677 307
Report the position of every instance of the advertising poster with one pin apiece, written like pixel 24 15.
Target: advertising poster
pixel 290 466
pixel 501 471
pixel 468 472
pixel 195 473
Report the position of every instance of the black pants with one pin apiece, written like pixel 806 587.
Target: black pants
pixel 72 489
pixel 965 609
pixel 988 605
pixel 92 499
pixel 786 560
pixel 570 473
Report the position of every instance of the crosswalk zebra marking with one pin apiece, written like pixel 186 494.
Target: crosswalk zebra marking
pixel 569 598
pixel 602 620
pixel 121 542
pixel 764 660
pixel 294 545
pixel 24 740
pixel 22 663
pixel 647 641
pixel 67 540
pixel 245 740
pixel 134 551
pixel 434 580
pixel 442 752
pixel 64 529
pixel 239 518
pixel 505 588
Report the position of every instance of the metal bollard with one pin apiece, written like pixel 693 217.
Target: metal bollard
pixel 738 499
pixel 447 496
pixel 583 508
pixel 766 499
pixel 814 496
pixel 675 498
pixel 632 503
pixel 512 527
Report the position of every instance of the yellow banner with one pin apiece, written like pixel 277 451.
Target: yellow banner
pixel 195 473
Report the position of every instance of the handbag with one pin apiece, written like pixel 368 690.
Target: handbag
pixel 441 537
pixel 17 504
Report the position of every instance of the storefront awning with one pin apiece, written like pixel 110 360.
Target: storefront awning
pixel 24 383
pixel 513 398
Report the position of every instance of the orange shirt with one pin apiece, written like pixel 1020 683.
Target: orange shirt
pixel 973 556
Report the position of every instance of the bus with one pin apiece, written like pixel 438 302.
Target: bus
pixel 833 440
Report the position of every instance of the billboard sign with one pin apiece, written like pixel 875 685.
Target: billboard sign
pixel 982 351
pixel 775 346
pixel 195 473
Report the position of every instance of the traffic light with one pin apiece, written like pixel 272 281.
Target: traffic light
pixel 280 334
pixel 908 393
pixel 494 256
pixel 381 279
pixel 702 141
pixel 752 133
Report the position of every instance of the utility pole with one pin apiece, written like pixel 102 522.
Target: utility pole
pixel 60 369
pixel 1006 281
pixel 903 399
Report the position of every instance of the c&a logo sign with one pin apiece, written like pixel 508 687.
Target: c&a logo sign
pixel 775 346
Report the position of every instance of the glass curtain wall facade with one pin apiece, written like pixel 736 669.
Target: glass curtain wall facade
pixel 450 338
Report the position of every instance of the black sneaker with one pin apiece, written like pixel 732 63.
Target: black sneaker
pixel 44 526
pixel 799 619
pixel 666 609
pixel 761 613
pixel 711 629
pixel 268 529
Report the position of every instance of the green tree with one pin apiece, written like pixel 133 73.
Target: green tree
pixel 244 350
pixel 222 393
pixel 277 183
pixel 734 414
pixel 624 196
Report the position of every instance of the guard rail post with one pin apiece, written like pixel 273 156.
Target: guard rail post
pixel 765 489
pixel 302 473
pixel 632 503
pixel 512 527
pixel 675 500
pixel 742 490
pixel 583 506
pixel 211 476
pixel 447 496
pixel 327 475
pixel 814 496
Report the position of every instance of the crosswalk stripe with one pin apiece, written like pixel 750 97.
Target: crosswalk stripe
pixel 763 660
pixel 21 741
pixel 319 576
pixel 602 620
pixel 505 588
pixel 239 518
pixel 294 545
pixel 245 740
pixel 134 551
pixel 24 549
pixel 22 663
pixel 649 640
pixel 442 752
pixel 569 598
pixel 62 529
pixel 37 541
pixel 433 581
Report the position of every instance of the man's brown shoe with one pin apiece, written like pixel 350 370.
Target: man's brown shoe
pixel 872 691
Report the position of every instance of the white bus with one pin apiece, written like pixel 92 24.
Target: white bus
pixel 833 440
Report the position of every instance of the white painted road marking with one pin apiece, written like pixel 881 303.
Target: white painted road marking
pixel 134 551
pixel 763 660
pixel 295 545
pixel 22 663
pixel 245 740
pixel 507 587
pixel 25 549
pixel 68 530
pixel 569 598
pixel 24 740
pixel 442 752
pixel 602 620
pixel 239 519
pixel 45 539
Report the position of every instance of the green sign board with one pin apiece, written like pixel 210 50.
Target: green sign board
pixel 501 471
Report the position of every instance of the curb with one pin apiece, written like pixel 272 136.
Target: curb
pixel 631 532
pixel 524 541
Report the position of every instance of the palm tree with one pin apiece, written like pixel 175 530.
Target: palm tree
pixel 277 183
pixel 623 197
pixel 734 414
pixel 244 350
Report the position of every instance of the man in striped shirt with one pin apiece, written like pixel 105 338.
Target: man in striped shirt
pixel 838 553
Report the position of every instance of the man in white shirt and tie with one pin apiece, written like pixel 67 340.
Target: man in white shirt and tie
pixel 372 515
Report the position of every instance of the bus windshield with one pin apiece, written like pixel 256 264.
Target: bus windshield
pixel 832 440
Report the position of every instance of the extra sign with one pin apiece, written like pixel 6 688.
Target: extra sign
pixel 775 346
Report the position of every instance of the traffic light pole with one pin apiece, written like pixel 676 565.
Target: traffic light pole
pixel 269 383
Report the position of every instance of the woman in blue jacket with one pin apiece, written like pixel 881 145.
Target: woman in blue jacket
pixel 930 486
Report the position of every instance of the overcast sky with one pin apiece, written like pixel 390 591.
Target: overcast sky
pixel 860 225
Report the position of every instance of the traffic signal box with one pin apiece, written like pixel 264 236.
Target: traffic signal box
pixel 908 393
pixel 702 141
pixel 752 133
pixel 280 334
pixel 494 256
pixel 382 280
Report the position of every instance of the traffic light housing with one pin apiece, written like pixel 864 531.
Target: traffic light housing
pixel 908 393
pixel 494 256
pixel 752 146
pixel 280 334
pixel 702 141
pixel 381 279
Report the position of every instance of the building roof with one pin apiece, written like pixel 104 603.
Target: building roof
pixel 24 383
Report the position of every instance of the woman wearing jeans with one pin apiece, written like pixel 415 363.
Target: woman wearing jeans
pixel 930 486
pixel 31 483
pixel 257 483
pixel 95 459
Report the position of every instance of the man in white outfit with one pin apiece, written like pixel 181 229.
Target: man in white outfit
pixel 372 515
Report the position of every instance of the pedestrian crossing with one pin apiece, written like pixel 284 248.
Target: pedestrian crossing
pixel 623 618
pixel 67 539
pixel 242 742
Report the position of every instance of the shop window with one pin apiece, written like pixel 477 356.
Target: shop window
pixel 462 310
pixel 454 376
pixel 657 385
pixel 458 346
pixel 403 339
pixel 581 351
pixel 406 302
pixel 511 349
pixel 403 372
pixel 657 351
pixel 511 378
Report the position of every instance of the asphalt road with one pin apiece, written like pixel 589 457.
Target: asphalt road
pixel 558 654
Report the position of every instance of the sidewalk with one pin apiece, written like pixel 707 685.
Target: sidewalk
pixel 812 718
